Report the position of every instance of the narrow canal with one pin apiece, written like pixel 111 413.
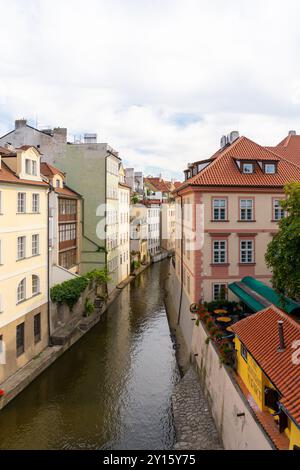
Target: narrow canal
pixel 112 390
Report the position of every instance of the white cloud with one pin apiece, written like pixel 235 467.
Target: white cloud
pixel 161 81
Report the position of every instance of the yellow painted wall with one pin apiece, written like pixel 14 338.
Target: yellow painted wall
pixel 294 436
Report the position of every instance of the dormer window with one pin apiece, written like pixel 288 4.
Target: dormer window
pixel 270 168
pixel 247 168
pixel 57 183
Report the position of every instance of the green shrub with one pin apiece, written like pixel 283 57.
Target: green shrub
pixel 99 275
pixel 89 307
pixel 229 305
pixel 69 292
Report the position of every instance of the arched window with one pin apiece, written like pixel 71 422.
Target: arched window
pixel 35 284
pixel 21 293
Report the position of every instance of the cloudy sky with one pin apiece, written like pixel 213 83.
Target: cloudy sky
pixel 159 80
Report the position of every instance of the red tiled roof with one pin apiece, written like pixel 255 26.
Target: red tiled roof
pixel 26 147
pixel 289 148
pixel 159 184
pixel 68 192
pixel 50 170
pixel 8 176
pixel 259 334
pixel 223 170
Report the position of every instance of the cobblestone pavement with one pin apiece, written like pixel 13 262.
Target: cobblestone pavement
pixel 194 425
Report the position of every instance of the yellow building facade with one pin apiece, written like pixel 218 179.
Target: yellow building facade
pixel 278 376
pixel 23 259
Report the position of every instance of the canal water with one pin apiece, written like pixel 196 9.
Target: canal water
pixel 112 389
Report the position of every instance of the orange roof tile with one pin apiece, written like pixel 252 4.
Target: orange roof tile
pixel 8 176
pixel 224 171
pixel 50 170
pixel 68 192
pixel 288 148
pixel 259 334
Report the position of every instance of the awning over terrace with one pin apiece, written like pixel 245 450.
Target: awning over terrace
pixel 257 296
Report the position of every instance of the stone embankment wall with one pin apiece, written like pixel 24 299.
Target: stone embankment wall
pixel 225 399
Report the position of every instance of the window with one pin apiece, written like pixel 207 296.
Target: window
pixel 21 292
pixel 219 291
pixel 67 232
pixel 219 251
pixel 219 209
pixel 35 285
pixel 278 212
pixel 57 183
pixel 21 248
pixel 35 203
pixel 67 207
pixel 35 245
pixel 270 168
pixel 37 328
pixel 244 352
pixel 20 337
pixel 21 203
pixel 68 259
pixel 246 209
pixel 248 168
pixel 34 168
pixel 247 251
pixel 28 166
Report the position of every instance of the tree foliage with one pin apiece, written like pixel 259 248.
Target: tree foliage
pixel 283 253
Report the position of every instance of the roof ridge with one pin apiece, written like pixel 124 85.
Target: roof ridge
pixel 284 158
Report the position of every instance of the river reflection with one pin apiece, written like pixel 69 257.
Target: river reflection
pixel 112 389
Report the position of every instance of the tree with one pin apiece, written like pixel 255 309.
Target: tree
pixel 283 253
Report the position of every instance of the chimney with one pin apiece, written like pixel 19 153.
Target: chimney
pixel 281 347
pixel 20 123
pixel 292 133
pixel 60 133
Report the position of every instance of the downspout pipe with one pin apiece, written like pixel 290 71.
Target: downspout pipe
pixel 48 266
pixel 181 262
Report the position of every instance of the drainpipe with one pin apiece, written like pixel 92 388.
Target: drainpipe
pixel 48 266
pixel 181 262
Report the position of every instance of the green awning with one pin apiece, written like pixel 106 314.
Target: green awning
pixel 248 299
pixel 257 295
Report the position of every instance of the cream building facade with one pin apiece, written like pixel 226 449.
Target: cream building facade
pixel 124 227
pixel 168 222
pixel 23 259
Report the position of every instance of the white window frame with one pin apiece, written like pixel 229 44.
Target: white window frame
pixel 28 166
pixel 35 244
pixel 34 168
pixel 21 247
pixel 277 209
pixel 247 210
pixel 35 284
pixel 35 203
pixel 21 203
pixel 250 165
pixel 246 248
pixel 217 286
pixel 218 209
pixel 269 165
pixel 219 251
pixel 21 291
